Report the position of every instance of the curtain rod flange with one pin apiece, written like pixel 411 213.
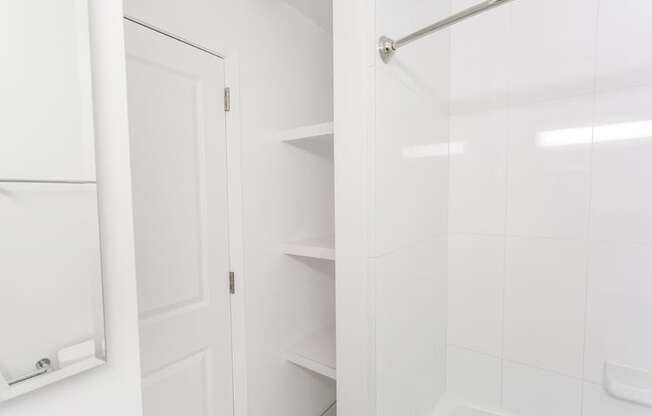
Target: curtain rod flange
pixel 386 48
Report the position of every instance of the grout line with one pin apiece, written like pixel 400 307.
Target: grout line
pixel 503 320
pixel 508 118
pixel 371 116
pixel 589 216
pixel 523 364
pixel 530 236
pixel 412 244
pixel 570 96
pixel 449 187
pixel 543 369
pixel 473 350
pixel 537 237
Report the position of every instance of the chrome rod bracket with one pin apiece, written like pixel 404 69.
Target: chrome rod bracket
pixel 386 48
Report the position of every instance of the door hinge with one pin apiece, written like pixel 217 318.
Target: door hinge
pixel 232 282
pixel 227 99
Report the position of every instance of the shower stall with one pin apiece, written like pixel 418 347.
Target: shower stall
pixel 494 249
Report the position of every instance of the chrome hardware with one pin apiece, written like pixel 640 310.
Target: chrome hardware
pixel 387 47
pixel 42 366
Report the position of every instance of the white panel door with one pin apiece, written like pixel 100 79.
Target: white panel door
pixel 178 157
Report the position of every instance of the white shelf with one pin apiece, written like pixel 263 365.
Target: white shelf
pixel 315 353
pixel 317 248
pixel 315 132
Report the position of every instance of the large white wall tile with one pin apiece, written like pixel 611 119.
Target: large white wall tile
pixel 410 146
pixel 478 169
pixel 622 172
pixel 411 160
pixel 596 402
pixel 544 303
pixel 623 33
pixel 480 60
pixel 529 391
pixel 553 49
pixel 479 82
pixel 410 328
pixel 473 376
pixel 475 292
pixel 549 164
pixel 619 308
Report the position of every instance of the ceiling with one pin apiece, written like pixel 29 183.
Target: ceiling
pixel 318 10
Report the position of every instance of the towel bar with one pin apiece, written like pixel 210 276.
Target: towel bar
pixel 42 366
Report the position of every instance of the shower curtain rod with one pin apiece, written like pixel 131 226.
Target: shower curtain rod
pixel 388 47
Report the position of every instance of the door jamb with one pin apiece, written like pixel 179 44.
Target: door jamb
pixel 236 232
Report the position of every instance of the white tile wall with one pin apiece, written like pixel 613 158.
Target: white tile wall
pixel 623 30
pixel 475 292
pixel 544 303
pixel 598 403
pixel 619 308
pixel 548 181
pixel 528 391
pixel 552 52
pixel 410 288
pixel 483 39
pixel 550 203
pixel 478 172
pixel 479 121
pixel 411 158
pixel 410 146
pixel 622 168
pixel 474 376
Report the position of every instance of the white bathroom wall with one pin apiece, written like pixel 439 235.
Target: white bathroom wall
pixel 550 209
pixel 401 165
pixel 113 389
pixel 285 74
pixel 409 212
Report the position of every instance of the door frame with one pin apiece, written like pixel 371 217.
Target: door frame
pixel 235 222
